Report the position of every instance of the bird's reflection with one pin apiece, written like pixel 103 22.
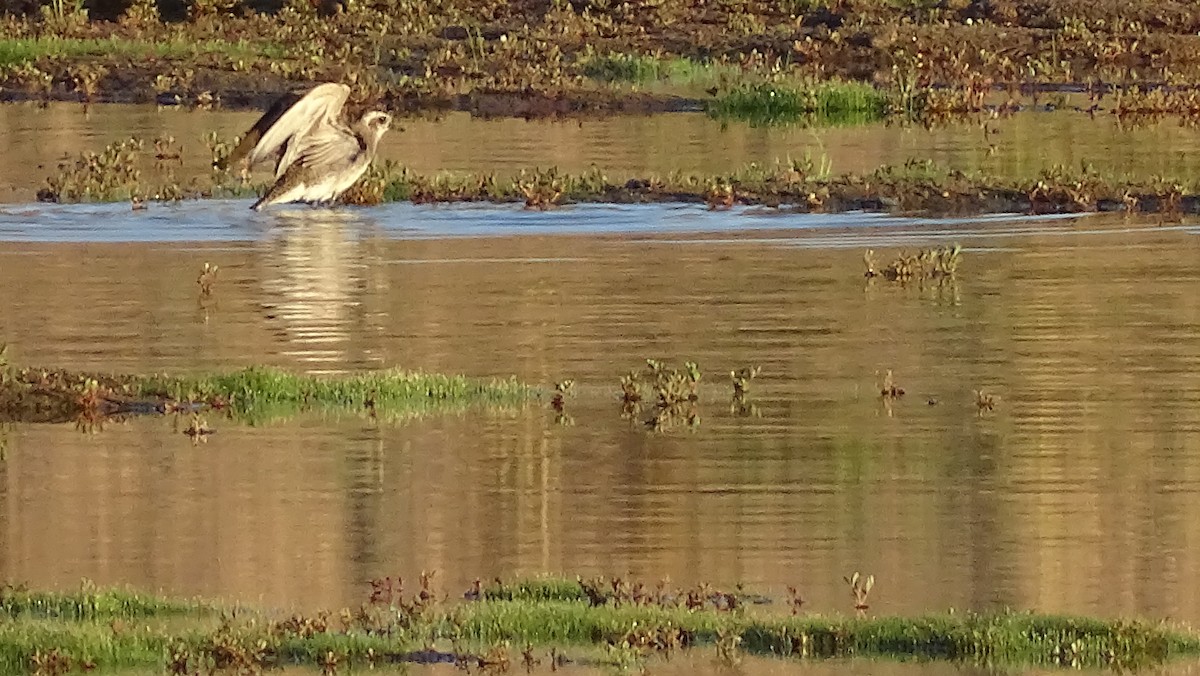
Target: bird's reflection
pixel 313 285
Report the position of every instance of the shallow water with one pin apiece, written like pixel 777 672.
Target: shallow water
pixel 1078 494
pixel 34 141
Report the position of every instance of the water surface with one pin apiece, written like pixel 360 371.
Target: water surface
pixel 35 141
pixel 1078 494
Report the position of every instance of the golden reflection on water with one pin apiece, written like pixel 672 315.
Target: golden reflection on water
pixel 1078 494
pixel 312 286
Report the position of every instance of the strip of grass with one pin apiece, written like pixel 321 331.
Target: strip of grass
pixel 90 603
pixel 1001 638
pixel 830 103
pixel 15 51
pixel 644 70
pixel 382 633
pixel 253 394
pixel 259 387
pixel 536 590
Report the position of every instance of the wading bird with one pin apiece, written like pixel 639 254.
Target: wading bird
pixel 318 154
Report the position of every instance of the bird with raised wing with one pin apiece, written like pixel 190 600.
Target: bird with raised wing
pixel 318 153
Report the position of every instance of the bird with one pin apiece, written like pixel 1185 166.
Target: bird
pixel 318 152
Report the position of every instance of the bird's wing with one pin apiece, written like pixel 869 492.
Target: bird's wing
pixel 255 134
pixel 282 130
pixel 326 148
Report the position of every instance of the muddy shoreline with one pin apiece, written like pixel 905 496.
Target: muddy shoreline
pixel 536 58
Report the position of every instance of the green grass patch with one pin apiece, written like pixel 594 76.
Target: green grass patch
pixel 15 51
pixel 263 389
pixel 82 630
pixel 536 589
pixel 644 70
pixel 255 394
pixel 1004 638
pixel 91 603
pixel 829 103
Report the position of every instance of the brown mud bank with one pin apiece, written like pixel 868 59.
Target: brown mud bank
pixel 539 57
pixel 213 88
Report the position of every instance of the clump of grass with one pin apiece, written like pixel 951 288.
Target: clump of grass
pixel 937 263
pixel 90 603
pixel 14 51
pixel 624 68
pixel 535 590
pixel 641 69
pixel 677 395
pixel 253 394
pixel 264 387
pixel 109 175
pixel 830 102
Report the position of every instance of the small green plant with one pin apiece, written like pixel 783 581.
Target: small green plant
pixel 741 379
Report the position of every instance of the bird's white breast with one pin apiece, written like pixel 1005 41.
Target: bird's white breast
pixel 323 189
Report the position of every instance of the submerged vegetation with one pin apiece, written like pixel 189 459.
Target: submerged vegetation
pixel 676 395
pixel 610 621
pixel 128 170
pixel 938 263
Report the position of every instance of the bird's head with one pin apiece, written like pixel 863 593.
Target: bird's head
pixel 377 122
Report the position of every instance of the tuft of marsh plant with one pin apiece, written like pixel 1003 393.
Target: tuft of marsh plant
pixel 562 390
pixel 108 175
pixel 219 149
pixel 985 401
pixel 35 78
pixel 890 390
pixel 86 78
pixel 938 263
pixel 329 663
pixel 795 600
pixel 728 641
pixel 719 195
pixel 141 15
pixel 741 379
pixel 542 189
pixel 198 429
pixel 676 392
pixel 208 277
pixel 860 589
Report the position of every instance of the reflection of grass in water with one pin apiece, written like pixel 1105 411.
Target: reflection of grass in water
pixel 189 633
pixel 829 103
pixel 260 392
pixel 22 50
